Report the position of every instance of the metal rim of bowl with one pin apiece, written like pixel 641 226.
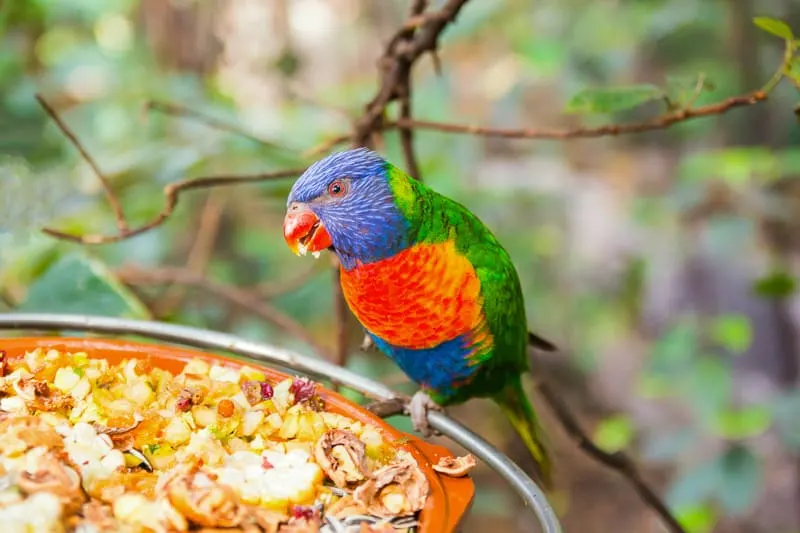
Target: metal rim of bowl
pixel 520 482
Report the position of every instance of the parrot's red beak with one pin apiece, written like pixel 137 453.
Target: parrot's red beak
pixel 304 232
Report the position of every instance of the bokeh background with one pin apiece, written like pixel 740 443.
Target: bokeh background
pixel 663 263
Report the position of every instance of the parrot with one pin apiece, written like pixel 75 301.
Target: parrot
pixel 428 281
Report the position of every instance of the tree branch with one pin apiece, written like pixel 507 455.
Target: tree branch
pixel 661 122
pixel 111 197
pixel 172 193
pixel 405 93
pixel 397 60
pixel 241 298
pixel 619 461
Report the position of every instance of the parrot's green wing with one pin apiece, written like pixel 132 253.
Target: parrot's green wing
pixel 435 218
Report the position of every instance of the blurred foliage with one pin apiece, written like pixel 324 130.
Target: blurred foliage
pixel 507 62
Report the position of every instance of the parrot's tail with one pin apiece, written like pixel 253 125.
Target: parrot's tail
pixel 517 407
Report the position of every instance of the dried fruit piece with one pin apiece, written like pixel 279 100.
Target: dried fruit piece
pixel 252 391
pixel 3 363
pixel 269 521
pixel 99 517
pixel 342 456
pixel 29 388
pixel 256 391
pixel 225 408
pixel 266 390
pixel 203 501
pixel 300 526
pixel 188 397
pixel 456 466
pixel 303 389
pixel 48 474
pixel 345 506
pixel 183 404
pixel 303 512
pixel 53 402
pixel 113 431
pixel 394 490
pixel 21 433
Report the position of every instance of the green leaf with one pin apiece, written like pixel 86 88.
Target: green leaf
pixel 696 518
pixel 82 285
pixel 732 332
pixel 614 433
pixel 612 99
pixel 711 385
pixel 742 423
pixel 742 473
pixel 697 484
pixel 675 347
pixel 775 285
pixel 774 26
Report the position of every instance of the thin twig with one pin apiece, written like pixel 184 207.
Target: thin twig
pixel 111 197
pixel 172 193
pixel 178 110
pixel 407 134
pixel 241 298
pixel 397 60
pixel 618 461
pixel 662 122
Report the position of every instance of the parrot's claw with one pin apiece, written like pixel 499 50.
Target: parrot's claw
pixel 418 408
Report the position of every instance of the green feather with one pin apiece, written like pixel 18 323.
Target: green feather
pixel 434 218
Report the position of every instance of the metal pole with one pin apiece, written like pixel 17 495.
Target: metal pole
pixel 265 353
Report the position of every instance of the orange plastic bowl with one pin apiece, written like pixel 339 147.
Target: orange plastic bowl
pixel 450 498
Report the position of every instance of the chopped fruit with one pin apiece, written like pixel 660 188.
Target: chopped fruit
pixel 131 447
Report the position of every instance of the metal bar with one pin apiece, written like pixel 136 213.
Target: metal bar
pixel 205 339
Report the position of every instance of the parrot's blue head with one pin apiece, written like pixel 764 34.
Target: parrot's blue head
pixel 345 203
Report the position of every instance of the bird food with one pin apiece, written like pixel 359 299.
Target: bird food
pixel 90 446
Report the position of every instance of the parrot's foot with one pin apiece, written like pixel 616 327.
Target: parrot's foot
pixel 367 343
pixel 418 410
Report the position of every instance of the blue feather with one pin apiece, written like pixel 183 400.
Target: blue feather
pixel 441 368
pixel 365 225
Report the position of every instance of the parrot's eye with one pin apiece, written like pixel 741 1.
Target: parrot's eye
pixel 337 188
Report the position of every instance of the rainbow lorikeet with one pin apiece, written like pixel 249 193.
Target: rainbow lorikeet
pixel 429 282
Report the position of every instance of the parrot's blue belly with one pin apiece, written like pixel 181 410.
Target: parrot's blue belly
pixel 441 369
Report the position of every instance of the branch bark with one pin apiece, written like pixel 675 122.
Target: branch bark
pixel 172 193
pixel 659 123
pixel 111 197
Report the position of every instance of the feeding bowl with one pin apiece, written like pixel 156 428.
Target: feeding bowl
pixel 449 499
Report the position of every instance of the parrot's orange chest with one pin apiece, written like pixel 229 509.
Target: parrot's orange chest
pixel 417 299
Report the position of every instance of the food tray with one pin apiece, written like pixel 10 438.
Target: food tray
pixel 450 497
